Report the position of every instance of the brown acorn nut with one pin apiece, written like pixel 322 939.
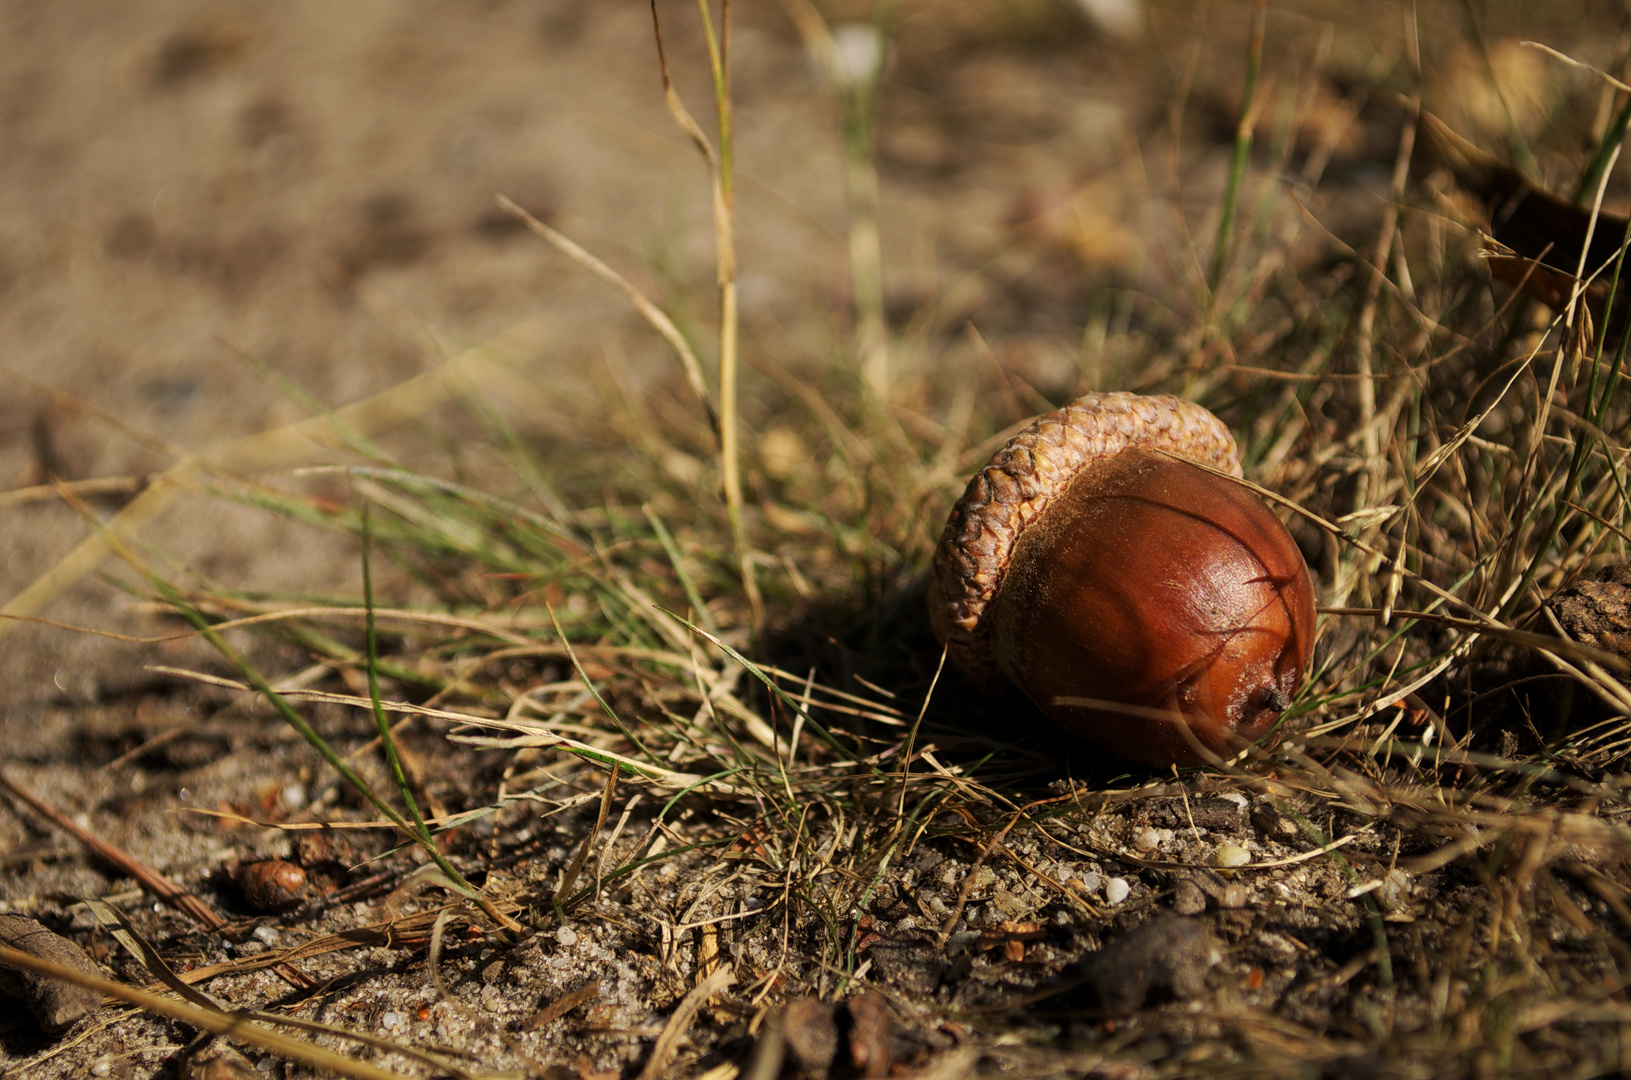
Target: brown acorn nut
pixel 1147 605
pixel 271 884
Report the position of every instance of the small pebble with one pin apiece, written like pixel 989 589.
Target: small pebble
pixel 1148 840
pixel 1395 891
pixel 1116 890
pixel 1187 898
pixel 1167 957
pixel 1233 855
pixel 1090 882
pixel 566 936
pixel 812 1033
pixel 393 1021
pixel 266 935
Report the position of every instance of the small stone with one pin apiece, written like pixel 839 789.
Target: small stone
pixel 218 1061
pixel 1271 823
pixel 1233 855
pixel 1116 890
pixel 1147 840
pixel 812 1035
pixel 1164 958
pixel 1395 891
pixel 1090 882
pixel 566 937
pixel 1187 897
pixel 1233 895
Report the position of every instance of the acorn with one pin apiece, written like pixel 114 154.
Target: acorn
pixel 271 884
pixel 1151 606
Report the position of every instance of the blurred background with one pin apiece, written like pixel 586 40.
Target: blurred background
pixel 194 196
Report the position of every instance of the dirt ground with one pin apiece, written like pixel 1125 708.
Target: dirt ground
pixel 198 200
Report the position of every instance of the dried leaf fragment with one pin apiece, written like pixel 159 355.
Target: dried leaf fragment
pixel 870 1049
pixel 56 1004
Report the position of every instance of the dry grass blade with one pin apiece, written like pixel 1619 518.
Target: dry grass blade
pixel 230 1025
pixel 649 311
pixel 668 1043
pixel 562 1005
pixel 156 883
pixel 279 448
pixel 575 867
pixel 721 182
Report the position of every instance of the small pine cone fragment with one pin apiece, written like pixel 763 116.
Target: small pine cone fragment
pixel 1598 612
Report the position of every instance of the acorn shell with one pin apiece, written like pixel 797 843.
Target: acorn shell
pixel 1148 604
pixel 1157 610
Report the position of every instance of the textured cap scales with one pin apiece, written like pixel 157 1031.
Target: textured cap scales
pixel 1017 485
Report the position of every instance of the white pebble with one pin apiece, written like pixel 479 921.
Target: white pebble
pixel 566 936
pixel 393 1021
pixel 1148 840
pixel 1232 855
pixel 266 935
pixel 1395 891
pixel 1116 890
pixel 858 50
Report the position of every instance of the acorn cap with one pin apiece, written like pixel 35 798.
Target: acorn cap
pixel 1024 477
